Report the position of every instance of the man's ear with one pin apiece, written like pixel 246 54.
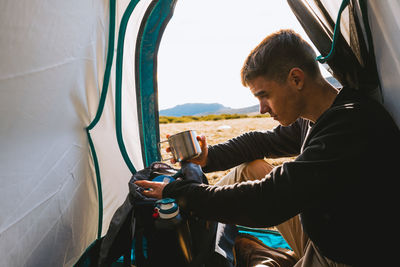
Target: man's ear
pixel 296 78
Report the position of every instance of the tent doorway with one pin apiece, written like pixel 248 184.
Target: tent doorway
pixel 202 49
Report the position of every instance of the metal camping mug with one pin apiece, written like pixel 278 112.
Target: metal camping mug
pixel 184 146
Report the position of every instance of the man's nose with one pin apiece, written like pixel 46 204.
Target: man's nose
pixel 264 108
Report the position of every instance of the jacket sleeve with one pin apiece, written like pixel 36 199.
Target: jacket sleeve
pixel 325 168
pixel 280 142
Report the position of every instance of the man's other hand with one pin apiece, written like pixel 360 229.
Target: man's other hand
pixel 151 189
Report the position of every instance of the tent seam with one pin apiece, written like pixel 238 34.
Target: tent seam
pixel 100 108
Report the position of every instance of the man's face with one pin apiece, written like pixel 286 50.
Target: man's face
pixel 281 100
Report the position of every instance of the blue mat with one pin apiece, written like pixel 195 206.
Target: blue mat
pixel 268 237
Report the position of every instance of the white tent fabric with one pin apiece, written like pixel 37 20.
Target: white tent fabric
pixel 385 29
pixel 53 58
pixel 110 158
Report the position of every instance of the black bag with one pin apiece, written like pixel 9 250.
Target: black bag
pixel 133 222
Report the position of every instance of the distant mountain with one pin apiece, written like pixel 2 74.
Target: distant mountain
pixel 201 109
pixel 246 110
pixel 335 83
pixel 192 109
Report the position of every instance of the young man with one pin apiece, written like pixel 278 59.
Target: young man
pixel 342 183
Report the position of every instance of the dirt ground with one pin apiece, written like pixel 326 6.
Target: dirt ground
pixel 220 131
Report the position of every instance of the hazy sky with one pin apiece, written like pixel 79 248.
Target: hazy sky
pixel 204 46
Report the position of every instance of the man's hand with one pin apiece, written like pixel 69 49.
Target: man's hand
pixel 202 158
pixel 151 189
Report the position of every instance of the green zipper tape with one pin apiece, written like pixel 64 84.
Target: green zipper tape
pixel 153 25
pixel 336 31
pixel 99 190
pixel 118 83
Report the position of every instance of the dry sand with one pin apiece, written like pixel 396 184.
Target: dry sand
pixel 220 131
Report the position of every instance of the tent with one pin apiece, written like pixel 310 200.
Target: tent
pixel 79 114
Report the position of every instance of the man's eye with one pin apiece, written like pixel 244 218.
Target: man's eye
pixel 261 95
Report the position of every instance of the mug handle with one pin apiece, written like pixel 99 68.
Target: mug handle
pixel 159 150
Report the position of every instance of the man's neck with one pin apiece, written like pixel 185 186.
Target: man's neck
pixel 320 96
